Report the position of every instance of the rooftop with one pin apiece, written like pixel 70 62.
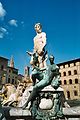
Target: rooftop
pixel 3 58
pixel 70 61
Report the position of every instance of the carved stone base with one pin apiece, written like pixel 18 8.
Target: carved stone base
pixel 48 105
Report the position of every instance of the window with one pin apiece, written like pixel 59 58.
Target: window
pixel 68 65
pixel 75 72
pixel 75 93
pixel 12 81
pixel 76 81
pixel 70 81
pixel 69 72
pixel 8 80
pixel 60 82
pixel 63 66
pixel 15 72
pixel 65 82
pixel 64 73
pixel 68 94
pixel 74 86
pixel 2 67
pixel 74 64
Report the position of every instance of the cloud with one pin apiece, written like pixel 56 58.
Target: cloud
pixel 13 22
pixel 1 35
pixel 3 31
pixel 22 23
pixel 2 11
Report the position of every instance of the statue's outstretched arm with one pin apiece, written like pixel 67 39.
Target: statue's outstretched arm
pixel 29 53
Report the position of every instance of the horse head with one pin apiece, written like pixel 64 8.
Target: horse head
pixel 34 58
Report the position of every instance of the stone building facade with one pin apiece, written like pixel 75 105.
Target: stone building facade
pixel 3 70
pixel 12 75
pixel 8 73
pixel 70 78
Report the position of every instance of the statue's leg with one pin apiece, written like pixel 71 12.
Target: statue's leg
pixel 43 83
pixel 55 109
pixel 39 86
pixel 33 79
pixel 31 97
pixel 60 109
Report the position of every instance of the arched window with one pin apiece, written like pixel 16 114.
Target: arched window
pixel 12 81
pixel 75 72
pixel 68 65
pixel 69 72
pixel 2 67
pixel 70 81
pixel 65 82
pixel 75 93
pixel 74 64
pixel 68 94
pixel 8 80
pixel 63 66
pixel 64 73
pixel 60 82
pixel 76 81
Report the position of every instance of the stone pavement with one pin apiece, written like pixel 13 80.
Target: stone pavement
pixel 67 111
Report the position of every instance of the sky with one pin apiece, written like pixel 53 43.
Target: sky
pixel 61 23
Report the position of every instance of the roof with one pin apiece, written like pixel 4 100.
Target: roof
pixel 21 75
pixel 12 68
pixel 68 62
pixel 3 58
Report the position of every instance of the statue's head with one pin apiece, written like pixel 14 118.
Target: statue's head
pixel 34 59
pixel 38 27
pixel 51 59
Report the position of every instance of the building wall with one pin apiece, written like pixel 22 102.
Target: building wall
pixel 3 70
pixel 12 75
pixel 70 80
pixel 7 74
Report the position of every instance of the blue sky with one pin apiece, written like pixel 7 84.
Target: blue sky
pixel 60 20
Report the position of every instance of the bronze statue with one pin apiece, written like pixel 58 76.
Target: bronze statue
pixel 45 78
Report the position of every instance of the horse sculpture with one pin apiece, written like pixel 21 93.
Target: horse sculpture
pixel 8 89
